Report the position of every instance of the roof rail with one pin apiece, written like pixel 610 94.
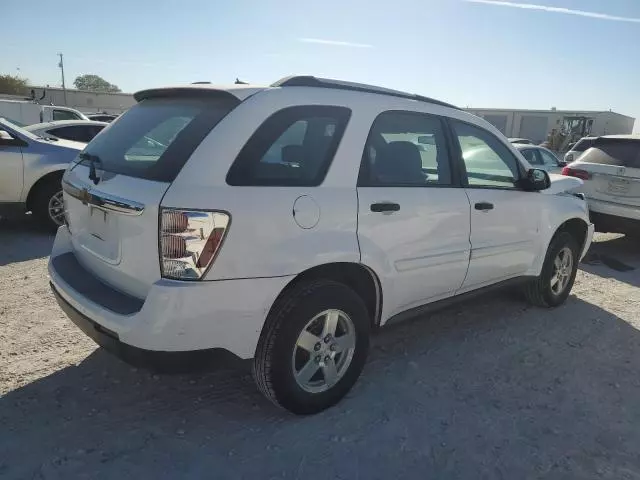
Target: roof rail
pixel 311 81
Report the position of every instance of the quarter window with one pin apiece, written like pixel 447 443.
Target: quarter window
pixel 293 147
pixel 405 149
pixel 488 162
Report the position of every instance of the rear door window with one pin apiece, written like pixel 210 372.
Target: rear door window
pixel 293 147
pixel 155 138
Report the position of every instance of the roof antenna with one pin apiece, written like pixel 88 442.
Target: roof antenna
pixel 240 82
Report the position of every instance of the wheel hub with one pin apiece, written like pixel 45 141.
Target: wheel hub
pixel 323 351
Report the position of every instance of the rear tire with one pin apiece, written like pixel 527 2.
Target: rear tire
pixel 542 291
pixel 47 204
pixel 297 338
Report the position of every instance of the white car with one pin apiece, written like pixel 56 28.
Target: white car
pixel 287 223
pixel 578 149
pixel 610 170
pixel 31 169
pixel 75 130
pixel 540 157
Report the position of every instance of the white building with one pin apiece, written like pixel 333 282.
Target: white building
pixel 86 102
pixel 536 125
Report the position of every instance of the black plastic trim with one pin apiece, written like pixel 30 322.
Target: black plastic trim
pixel 447 302
pixel 174 362
pixel 87 285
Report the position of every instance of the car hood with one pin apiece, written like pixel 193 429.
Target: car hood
pixel 562 184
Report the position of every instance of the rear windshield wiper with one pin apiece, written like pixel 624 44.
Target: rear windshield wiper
pixel 93 160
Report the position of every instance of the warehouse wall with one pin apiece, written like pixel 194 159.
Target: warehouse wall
pixel 84 101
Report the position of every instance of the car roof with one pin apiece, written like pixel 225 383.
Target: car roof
pixel 526 145
pixel 517 139
pixel 63 123
pixel 244 91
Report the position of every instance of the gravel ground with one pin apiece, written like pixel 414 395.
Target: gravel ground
pixel 490 388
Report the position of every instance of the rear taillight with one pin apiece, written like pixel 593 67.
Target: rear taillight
pixel 576 172
pixel 189 242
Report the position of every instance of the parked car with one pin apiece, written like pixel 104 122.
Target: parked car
pixel 578 148
pixel 610 170
pixel 75 130
pixel 279 240
pixel 520 141
pixel 31 168
pixel 102 117
pixel 21 112
pixel 540 157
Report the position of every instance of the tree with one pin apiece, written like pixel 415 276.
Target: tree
pixel 94 83
pixel 13 85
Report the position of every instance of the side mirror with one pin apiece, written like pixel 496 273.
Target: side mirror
pixel 537 180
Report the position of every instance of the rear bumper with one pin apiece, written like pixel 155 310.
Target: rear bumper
pixel 174 317
pixel 619 210
pixel 139 357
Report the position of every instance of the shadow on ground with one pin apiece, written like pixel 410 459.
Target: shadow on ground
pixel 22 239
pixel 614 257
pixel 488 389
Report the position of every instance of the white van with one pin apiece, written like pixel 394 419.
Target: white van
pixel 21 113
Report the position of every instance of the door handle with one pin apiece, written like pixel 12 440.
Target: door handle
pixel 385 207
pixel 484 206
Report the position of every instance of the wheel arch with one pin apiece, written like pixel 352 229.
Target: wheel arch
pixel 357 276
pixel 577 227
pixel 51 176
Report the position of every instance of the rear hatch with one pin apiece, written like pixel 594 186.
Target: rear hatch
pixel 613 164
pixel 114 188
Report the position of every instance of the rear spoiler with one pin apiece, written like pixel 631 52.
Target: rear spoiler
pixel 185 92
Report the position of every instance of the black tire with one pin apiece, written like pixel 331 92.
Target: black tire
pixel 538 291
pixel 272 365
pixel 40 206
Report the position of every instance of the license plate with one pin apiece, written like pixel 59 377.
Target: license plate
pixel 98 223
pixel 618 186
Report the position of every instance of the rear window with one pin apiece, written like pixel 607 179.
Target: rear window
pixel 621 152
pixel 155 138
pixel 583 144
pixel 293 147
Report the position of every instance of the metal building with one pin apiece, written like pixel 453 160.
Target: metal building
pixel 537 125
pixel 86 102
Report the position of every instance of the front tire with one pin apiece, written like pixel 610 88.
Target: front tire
pixel 48 208
pixel 313 347
pixel 552 287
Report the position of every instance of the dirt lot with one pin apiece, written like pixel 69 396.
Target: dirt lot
pixel 488 389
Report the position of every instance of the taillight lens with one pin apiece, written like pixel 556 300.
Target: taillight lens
pixel 576 172
pixel 189 242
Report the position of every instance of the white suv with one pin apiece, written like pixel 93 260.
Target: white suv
pixel 287 223
pixel 610 169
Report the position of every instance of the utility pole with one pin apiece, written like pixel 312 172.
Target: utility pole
pixel 64 88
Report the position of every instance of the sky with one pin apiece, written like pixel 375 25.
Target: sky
pixel 568 54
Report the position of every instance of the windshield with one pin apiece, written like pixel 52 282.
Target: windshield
pixel 155 138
